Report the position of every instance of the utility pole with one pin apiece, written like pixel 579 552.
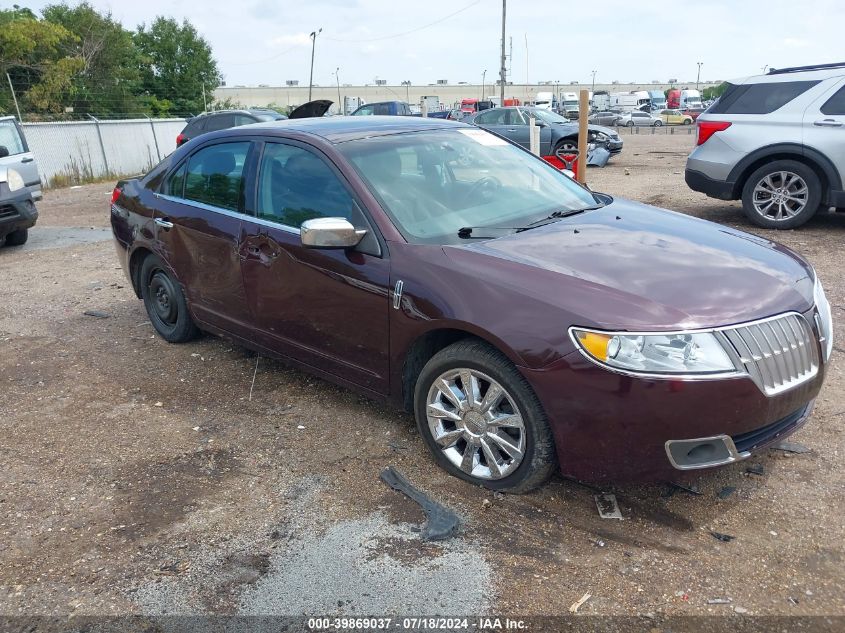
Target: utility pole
pixel 14 97
pixel 698 77
pixel 526 59
pixel 339 101
pixel 483 81
pixel 503 71
pixel 593 90
pixel 314 35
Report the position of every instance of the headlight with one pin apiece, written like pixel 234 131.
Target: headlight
pixel 14 180
pixel 669 354
pixel 825 319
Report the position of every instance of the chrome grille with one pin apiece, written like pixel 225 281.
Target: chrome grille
pixel 778 353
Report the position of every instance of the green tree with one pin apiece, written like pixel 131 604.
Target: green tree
pixel 176 65
pixel 110 79
pixel 39 57
pixel 715 91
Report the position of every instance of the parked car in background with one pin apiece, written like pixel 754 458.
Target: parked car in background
pixel 453 115
pixel 693 113
pixel 528 323
pixel 15 154
pixel 17 207
pixel 638 118
pixel 674 117
pixel 605 117
pixel 556 132
pixel 224 119
pixel 777 142
pixel 384 108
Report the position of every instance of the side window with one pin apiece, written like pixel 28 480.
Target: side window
pixel 295 185
pixel 382 109
pixel 516 117
pixel 219 122
pixel 243 119
pixel 215 175
pixel 759 98
pixel 836 104
pixel 364 110
pixel 10 138
pixel 176 183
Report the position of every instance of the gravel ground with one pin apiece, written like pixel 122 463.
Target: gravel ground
pixel 138 477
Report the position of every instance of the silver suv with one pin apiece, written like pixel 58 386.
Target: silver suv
pixel 776 141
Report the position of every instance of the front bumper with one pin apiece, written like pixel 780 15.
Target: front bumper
pixel 17 210
pixel 609 426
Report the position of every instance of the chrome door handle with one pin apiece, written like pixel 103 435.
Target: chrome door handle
pixel 165 224
pixel 828 123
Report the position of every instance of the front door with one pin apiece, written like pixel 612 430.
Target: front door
pixel 198 225
pixel 326 308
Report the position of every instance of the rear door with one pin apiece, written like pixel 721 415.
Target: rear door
pixel 198 223
pixel 824 126
pixel 326 308
pixel 19 157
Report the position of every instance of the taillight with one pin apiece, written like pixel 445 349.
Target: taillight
pixel 706 129
pixel 115 194
pixel 181 139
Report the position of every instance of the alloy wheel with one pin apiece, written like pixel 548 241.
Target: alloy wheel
pixel 475 423
pixel 780 195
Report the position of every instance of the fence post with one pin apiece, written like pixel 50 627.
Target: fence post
pixel 102 145
pixel 155 139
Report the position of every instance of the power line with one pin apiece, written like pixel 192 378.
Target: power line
pixel 394 36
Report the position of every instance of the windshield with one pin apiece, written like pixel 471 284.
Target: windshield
pixel 548 116
pixel 434 183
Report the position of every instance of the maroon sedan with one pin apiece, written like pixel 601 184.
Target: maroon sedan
pixel 527 322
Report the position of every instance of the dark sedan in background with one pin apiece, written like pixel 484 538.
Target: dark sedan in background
pixel 529 323
pixel 556 133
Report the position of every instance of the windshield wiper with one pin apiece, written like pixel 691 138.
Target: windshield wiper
pixel 556 215
pixel 465 232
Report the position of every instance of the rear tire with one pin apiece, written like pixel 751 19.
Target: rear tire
pixel 165 302
pixel 493 432
pixel 567 145
pixel 629 124
pixel 687 122
pixel 658 123
pixel 783 194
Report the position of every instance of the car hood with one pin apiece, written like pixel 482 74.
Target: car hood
pixel 629 266
pixel 315 108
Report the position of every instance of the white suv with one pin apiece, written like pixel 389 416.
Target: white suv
pixel 777 141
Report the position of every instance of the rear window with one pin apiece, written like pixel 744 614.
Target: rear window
pixel 836 104
pixel 759 98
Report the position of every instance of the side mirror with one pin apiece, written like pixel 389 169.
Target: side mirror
pixel 4 151
pixel 330 233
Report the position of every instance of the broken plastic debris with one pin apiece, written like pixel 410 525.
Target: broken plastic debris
pixel 719 601
pixel 576 605
pixel 740 610
pixel 726 538
pixel 791 447
pixel 607 506
pixel 726 492
pixel 99 314
pixel 693 490
pixel 756 469
pixel 441 523
pixel 300 427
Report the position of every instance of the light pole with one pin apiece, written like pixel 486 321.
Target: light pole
pixel 503 72
pixel 594 82
pixel 698 77
pixel 407 84
pixel 764 68
pixel 483 81
pixel 339 100
pixel 313 36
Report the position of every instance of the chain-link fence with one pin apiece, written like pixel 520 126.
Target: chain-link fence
pixel 73 152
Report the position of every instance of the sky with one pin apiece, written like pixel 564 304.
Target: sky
pixel 267 41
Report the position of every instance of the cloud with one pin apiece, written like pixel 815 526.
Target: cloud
pixel 793 42
pixel 286 41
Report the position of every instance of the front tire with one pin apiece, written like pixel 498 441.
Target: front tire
pixel 658 123
pixel 567 145
pixel 782 194
pixel 481 420
pixel 629 124
pixel 17 238
pixel 687 122
pixel 165 302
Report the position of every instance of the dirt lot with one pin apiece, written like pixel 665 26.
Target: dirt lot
pixel 138 476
